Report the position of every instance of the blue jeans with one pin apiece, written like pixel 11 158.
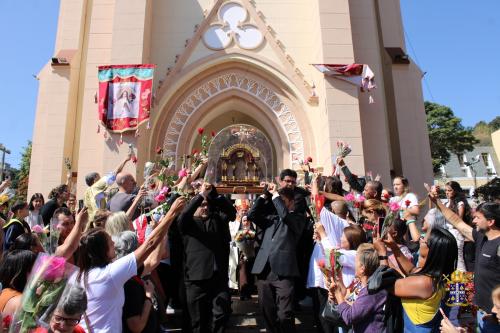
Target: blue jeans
pixel 486 326
pixel 429 327
pixel 452 314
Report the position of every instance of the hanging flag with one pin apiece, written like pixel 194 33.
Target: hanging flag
pixel 360 75
pixel 125 93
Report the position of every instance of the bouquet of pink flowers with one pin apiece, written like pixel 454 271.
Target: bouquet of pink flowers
pixel 42 292
pixel 392 214
pixel 308 170
pixel 167 174
pixel 162 195
pixel 49 235
pixel 355 203
pixel 343 149
pixel 43 235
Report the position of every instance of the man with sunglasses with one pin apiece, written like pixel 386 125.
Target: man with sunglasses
pixel 280 214
pixel 305 245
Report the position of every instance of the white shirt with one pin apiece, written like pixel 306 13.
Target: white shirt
pixel 334 228
pixel 34 218
pixel 105 294
pixel 460 204
pixel 459 238
pixel 348 262
pixel 234 227
pixel 450 226
pixel 401 201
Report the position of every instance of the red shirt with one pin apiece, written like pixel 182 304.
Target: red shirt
pixel 77 329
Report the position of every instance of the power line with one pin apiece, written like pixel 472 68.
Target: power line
pixel 426 83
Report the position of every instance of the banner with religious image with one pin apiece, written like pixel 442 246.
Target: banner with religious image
pixel 125 93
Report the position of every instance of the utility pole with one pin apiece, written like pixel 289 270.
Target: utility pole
pixel 470 164
pixel 4 151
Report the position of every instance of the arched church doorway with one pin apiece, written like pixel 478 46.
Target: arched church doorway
pixel 223 96
pixel 225 112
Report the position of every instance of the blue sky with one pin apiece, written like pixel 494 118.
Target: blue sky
pixel 456 42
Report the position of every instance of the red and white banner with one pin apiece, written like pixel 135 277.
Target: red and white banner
pixel 125 93
pixel 358 74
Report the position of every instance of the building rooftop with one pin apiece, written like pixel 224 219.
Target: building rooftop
pixel 482 161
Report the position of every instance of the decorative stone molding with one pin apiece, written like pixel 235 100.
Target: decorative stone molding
pixel 232 28
pixel 226 82
pixel 258 26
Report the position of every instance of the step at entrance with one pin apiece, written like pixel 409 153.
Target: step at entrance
pixel 246 318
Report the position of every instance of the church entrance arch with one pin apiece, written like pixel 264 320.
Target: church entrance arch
pixel 200 102
pixel 223 111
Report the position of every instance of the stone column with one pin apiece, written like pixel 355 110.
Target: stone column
pixel 56 112
pixel 340 98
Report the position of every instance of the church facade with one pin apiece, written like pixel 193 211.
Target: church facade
pixel 224 62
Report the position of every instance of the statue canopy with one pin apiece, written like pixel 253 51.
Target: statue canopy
pixel 240 155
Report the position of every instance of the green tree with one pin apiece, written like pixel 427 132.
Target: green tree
pixel 447 135
pixel 495 124
pixel 482 132
pixel 489 191
pixel 22 176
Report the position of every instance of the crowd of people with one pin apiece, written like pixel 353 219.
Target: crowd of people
pixel 143 252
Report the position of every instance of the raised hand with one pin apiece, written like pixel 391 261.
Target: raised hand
pixel 380 246
pixel 142 193
pixel 82 215
pixel 433 195
pixel 447 326
pixel 271 187
pixel 407 215
pixel 389 241
pixel 205 190
pixel 319 229
pixel 178 205
pixel 331 289
pixel 149 289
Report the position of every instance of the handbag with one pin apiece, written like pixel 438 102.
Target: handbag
pixel 332 315
pixel 383 278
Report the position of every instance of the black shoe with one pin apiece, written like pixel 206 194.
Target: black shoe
pixel 297 307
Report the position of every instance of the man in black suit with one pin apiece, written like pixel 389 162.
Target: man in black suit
pixel 282 221
pixel 205 233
